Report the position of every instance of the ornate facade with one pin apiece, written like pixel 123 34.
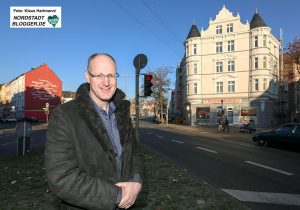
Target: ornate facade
pixel 229 70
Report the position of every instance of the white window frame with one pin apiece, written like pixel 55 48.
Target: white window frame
pixel 231 65
pixel 229 27
pixel 265 62
pixel 256 63
pixel 231 86
pixel 187 89
pixel 219 87
pixel 195 49
pixel 195 88
pixel 230 46
pixel 219 47
pixel 219 66
pixel 187 70
pixel 255 41
pixel 256 85
pixel 187 51
pixel 219 29
pixel 265 40
pixel 195 68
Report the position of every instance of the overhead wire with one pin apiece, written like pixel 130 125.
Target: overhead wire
pixel 161 21
pixel 146 27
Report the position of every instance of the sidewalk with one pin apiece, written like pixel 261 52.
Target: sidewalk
pixel 234 131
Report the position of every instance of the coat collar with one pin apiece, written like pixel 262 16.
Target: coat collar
pixel 92 119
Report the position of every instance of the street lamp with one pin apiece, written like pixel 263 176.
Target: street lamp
pixel 125 76
pixel 169 97
pixel 13 110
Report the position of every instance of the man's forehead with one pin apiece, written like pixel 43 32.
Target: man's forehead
pixel 103 58
pixel 103 61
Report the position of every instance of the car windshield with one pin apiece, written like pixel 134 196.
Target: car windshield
pixel 297 130
pixel 283 130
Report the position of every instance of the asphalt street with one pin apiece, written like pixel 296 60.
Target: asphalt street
pixel 8 139
pixel 263 178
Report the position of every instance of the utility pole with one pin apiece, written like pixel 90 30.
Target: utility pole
pixel 280 81
pixel 161 104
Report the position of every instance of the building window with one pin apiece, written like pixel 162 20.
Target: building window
pixel 187 51
pixel 187 70
pixel 265 62
pixel 265 84
pixel 187 89
pixel 219 47
pixel 256 62
pixel 195 88
pixel 265 41
pixel 256 41
pixel 219 29
pixel 219 66
pixel 231 46
pixel 231 66
pixel 229 28
pixel 219 87
pixel 256 84
pixel 195 68
pixel 195 49
pixel 231 86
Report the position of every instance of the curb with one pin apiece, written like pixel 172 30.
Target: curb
pixel 234 131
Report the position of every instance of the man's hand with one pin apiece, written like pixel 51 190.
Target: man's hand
pixel 130 191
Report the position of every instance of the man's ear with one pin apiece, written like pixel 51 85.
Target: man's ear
pixel 87 76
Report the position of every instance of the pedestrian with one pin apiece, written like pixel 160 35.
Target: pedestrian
pixel 226 125
pixel 92 158
pixel 220 124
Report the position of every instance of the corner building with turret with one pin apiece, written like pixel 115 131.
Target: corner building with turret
pixel 230 70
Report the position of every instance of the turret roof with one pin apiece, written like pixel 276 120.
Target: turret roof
pixel 257 21
pixel 194 32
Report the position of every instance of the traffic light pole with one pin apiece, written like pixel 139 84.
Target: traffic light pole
pixel 137 110
pixel 139 62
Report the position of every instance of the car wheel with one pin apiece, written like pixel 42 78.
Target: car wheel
pixel 266 144
pixel 260 142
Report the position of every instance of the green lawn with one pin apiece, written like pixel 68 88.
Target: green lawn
pixel 23 185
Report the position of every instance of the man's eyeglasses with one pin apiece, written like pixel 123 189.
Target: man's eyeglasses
pixel 103 76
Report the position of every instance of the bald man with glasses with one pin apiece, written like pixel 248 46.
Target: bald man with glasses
pixel 92 158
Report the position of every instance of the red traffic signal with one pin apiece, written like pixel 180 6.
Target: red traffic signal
pixel 148 84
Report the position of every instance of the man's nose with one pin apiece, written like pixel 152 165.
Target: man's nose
pixel 106 81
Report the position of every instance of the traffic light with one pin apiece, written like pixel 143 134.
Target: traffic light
pixel 148 84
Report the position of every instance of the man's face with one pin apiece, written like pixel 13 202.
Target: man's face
pixel 102 78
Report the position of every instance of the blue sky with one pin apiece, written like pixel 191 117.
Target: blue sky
pixel 123 28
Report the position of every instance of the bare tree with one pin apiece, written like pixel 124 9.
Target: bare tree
pixel 161 85
pixel 293 53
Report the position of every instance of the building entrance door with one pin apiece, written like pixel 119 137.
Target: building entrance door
pixel 230 115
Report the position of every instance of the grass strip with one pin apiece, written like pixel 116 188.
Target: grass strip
pixel 23 186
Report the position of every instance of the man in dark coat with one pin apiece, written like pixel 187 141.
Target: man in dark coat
pixel 92 157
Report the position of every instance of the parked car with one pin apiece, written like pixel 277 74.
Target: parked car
pixel 10 119
pixel 156 120
pixel 287 134
pixel 132 117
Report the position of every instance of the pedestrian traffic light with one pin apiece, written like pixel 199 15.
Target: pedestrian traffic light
pixel 148 84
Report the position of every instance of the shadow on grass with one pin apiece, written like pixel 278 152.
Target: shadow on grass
pixel 23 185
